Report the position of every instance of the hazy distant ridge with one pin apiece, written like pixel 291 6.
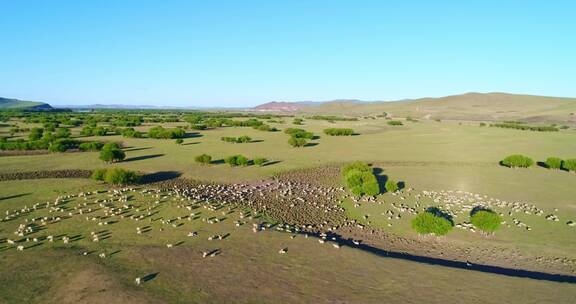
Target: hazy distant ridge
pixel 469 106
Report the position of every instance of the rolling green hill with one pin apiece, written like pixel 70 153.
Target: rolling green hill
pixel 15 104
pixel 470 106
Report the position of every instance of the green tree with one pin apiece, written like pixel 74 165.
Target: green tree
pixel 297 142
pixel 486 220
pixel 98 174
pixel 111 152
pixel 118 176
pixel 63 133
pixel 260 161
pixel 431 223
pixel 569 164
pixel 204 159
pixel 553 163
pixel 179 141
pixel 517 161
pixel 391 186
pixel 35 133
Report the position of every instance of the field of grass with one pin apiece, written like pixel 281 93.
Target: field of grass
pixel 431 143
pixel 248 269
pixel 426 155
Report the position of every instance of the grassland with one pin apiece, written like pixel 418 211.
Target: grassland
pixel 426 155
pixel 249 269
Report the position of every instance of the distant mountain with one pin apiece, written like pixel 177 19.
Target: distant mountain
pixel 283 106
pixel 15 104
pixel 469 106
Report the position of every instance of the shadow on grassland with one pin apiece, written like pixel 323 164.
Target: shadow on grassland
pixel 511 272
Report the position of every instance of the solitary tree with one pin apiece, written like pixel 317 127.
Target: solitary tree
pixel 485 220
pixel 517 161
pixel 431 223
pixel 297 142
pixel 203 159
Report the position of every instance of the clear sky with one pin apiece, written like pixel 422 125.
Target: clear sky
pixel 242 53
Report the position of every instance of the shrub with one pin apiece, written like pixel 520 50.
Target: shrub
pixel 119 176
pixel 553 163
pixel 62 145
pixel 204 159
pixel 362 166
pixel 359 178
pixel 35 133
pixel 266 128
pixel 57 147
pixel 91 146
pixel 522 126
pixel 111 145
pixel 339 132
pixel 569 164
pixel 198 127
pixel 98 174
pixel 242 161
pixel 244 139
pixel 431 223
pixel 63 133
pixel 236 160
pixel 394 123
pixel 296 142
pixel 111 153
pixel 179 141
pixel 260 161
pixel 239 140
pixel 391 186
pixel 370 184
pixel 299 133
pixel 517 160
pixel 162 133
pixel 485 220
pixel 130 132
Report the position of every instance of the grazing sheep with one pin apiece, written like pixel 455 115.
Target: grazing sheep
pixel 283 250
pixel 169 245
pixel 137 281
pixel 20 248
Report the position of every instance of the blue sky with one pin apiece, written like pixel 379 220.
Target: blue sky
pixel 242 53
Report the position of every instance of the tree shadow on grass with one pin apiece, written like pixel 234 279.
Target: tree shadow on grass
pixel 310 144
pixel 438 212
pixel 14 196
pixel 383 178
pixel 159 177
pixel 192 135
pixel 480 208
pixel 270 163
pixel 190 143
pixel 136 149
pixel 149 277
pixel 455 264
pixel 143 157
